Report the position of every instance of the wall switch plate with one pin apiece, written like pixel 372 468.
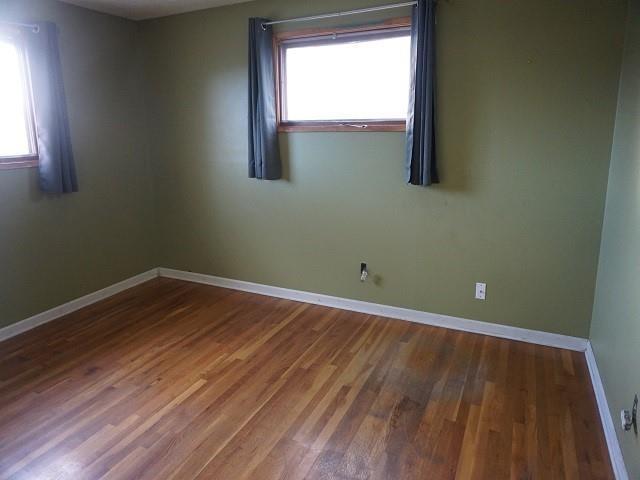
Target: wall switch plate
pixel 481 291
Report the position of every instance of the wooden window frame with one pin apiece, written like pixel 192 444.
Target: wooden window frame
pixel 31 159
pixel 393 26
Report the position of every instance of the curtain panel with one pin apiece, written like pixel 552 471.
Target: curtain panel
pixel 56 163
pixel 420 151
pixel 264 151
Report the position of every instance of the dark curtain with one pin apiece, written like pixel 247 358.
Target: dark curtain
pixel 421 167
pixel 57 168
pixel 264 151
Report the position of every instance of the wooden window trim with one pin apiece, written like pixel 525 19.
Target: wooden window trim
pixel 31 159
pixel 331 125
pixel 23 161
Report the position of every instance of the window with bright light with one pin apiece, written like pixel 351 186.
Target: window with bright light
pixel 351 80
pixel 17 129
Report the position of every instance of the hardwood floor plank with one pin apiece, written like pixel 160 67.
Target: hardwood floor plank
pixel 175 380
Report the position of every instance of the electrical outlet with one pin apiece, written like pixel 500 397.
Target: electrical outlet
pixel 364 272
pixel 625 420
pixel 629 419
pixel 481 291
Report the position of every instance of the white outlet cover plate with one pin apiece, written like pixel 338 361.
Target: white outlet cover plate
pixel 481 291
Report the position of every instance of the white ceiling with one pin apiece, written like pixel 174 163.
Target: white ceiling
pixel 141 9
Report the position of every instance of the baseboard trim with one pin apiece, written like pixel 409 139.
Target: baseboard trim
pixel 69 307
pixel 438 320
pixel 615 453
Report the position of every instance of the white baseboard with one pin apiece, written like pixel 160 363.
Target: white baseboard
pixel 73 305
pixel 615 453
pixel 426 318
pixel 438 320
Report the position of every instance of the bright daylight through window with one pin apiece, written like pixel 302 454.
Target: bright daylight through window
pixel 16 117
pixel 352 77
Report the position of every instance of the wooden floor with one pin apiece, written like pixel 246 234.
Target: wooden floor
pixel 174 380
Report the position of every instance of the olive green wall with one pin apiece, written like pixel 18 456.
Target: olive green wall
pixel 615 328
pixel 57 248
pixel 526 109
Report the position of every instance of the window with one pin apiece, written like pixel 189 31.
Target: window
pixel 17 127
pixel 344 80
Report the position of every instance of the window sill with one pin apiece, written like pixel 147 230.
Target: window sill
pixel 342 127
pixel 11 163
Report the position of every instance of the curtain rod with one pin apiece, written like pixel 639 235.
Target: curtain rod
pixel 32 26
pixel 341 14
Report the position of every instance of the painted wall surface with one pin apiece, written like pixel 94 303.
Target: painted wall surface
pixel 527 96
pixel 615 328
pixel 57 248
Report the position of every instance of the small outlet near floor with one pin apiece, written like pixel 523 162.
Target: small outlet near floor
pixel 481 291
pixel 364 272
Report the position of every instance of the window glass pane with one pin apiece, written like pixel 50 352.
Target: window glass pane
pixel 14 117
pixel 358 80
